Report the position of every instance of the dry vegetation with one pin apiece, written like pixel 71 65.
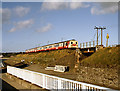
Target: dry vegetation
pixel 99 68
pixel 104 57
pixel 51 58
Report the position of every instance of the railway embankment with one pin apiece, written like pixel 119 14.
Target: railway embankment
pixel 106 77
pixel 44 59
pixel 101 68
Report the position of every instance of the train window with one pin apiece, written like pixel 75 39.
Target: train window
pixel 65 43
pixel 45 47
pixel 76 42
pixel 50 46
pixel 71 42
pixel 60 44
pixel 56 45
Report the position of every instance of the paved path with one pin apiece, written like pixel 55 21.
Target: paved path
pixel 7 87
pixel 11 85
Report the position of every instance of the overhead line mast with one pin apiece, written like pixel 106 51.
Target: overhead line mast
pixel 99 28
pixel 97 34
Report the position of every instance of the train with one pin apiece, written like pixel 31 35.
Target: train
pixel 55 46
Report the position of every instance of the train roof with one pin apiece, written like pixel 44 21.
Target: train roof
pixel 53 43
pixel 60 42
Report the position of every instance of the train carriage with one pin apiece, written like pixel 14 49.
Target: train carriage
pixel 60 46
pixel 55 46
pixel 51 47
pixel 39 49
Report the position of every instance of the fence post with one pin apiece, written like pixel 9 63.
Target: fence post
pixel 83 45
pixel 80 45
pixel 59 84
pixel 43 81
pixel 93 43
pixel 86 44
pixel 90 44
pixel 84 87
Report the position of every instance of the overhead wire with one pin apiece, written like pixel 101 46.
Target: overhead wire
pixel 98 37
pixel 93 37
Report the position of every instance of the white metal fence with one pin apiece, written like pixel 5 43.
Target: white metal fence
pixel 52 82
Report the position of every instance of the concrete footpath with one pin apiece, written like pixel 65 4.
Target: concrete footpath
pixel 12 83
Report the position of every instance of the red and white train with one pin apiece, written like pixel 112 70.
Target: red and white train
pixel 55 46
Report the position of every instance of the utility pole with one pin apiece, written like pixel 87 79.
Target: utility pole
pixel 101 33
pixel 101 28
pixel 97 34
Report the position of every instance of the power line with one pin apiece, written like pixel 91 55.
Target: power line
pixel 94 36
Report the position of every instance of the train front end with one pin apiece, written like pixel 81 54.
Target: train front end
pixel 73 44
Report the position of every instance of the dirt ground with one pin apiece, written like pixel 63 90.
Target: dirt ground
pixel 74 75
pixel 69 75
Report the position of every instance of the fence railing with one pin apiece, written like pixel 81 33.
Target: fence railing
pixel 52 82
pixel 88 44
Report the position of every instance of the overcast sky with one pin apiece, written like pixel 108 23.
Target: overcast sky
pixel 30 24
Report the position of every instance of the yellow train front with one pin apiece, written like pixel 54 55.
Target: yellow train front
pixel 55 46
pixel 72 44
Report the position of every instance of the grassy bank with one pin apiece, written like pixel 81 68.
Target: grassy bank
pixel 105 60
pixel 104 57
pixel 51 58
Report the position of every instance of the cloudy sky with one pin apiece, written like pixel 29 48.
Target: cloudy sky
pixel 30 24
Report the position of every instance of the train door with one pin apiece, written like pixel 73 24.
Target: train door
pixel 64 44
pixel 68 44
